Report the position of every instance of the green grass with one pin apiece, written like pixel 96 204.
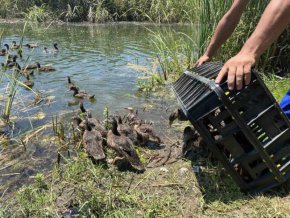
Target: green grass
pixel 160 11
pixel 98 191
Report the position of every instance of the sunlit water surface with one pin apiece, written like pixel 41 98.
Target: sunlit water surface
pixel 97 59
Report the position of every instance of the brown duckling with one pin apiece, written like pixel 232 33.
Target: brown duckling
pixel 31 45
pixel 30 67
pixel 127 130
pixel 177 114
pixel 147 132
pixel 70 84
pixel 82 94
pixel 27 72
pixel 29 83
pixel 93 142
pixel 44 68
pixel 3 52
pixel 94 123
pixel 124 148
pixel 132 117
pixel 12 63
pixel 190 137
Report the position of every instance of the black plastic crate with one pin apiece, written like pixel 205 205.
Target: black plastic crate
pixel 247 130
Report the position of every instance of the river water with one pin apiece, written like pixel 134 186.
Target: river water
pixel 97 58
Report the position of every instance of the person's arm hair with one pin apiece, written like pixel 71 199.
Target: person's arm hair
pixel 225 28
pixel 274 20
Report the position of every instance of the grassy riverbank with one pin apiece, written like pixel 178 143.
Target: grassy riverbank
pixel 81 188
pixel 100 11
pixel 76 186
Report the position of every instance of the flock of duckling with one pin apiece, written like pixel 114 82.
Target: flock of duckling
pixel 121 137
pixel 14 51
pixel 28 70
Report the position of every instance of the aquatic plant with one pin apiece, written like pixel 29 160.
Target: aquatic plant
pixel 101 13
pixel 38 13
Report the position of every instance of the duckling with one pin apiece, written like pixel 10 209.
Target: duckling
pixel 81 94
pixel 27 72
pixel 71 84
pixel 29 83
pixel 31 45
pixel 3 52
pixel 190 137
pixel 45 50
pixel 132 117
pixel 93 142
pixel 127 130
pixel 55 48
pixel 14 45
pixel 147 132
pixel 12 63
pixel 30 67
pixel 19 52
pixel 95 123
pixel 123 146
pixel 7 47
pixel 44 68
pixel 177 114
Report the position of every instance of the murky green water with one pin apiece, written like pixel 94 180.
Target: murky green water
pixel 96 58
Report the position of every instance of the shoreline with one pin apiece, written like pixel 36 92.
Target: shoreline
pixel 87 23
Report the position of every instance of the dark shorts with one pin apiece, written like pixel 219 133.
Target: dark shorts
pixel 285 104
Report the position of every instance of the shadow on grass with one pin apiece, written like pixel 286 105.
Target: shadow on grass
pixel 217 185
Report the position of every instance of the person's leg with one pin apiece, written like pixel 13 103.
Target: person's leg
pixel 285 104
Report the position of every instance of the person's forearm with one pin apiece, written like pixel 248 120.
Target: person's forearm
pixel 226 26
pixel 273 21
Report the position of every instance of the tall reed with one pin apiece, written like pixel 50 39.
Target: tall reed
pixel 13 81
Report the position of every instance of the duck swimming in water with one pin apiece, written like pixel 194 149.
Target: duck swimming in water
pixel 70 84
pixel 55 49
pixel 3 52
pixel 29 83
pixel 30 67
pixel 82 94
pixel 12 63
pixel 31 45
pixel 14 45
pixel 7 47
pixel 44 68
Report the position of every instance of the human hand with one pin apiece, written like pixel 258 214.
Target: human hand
pixel 238 70
pixel 202 60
